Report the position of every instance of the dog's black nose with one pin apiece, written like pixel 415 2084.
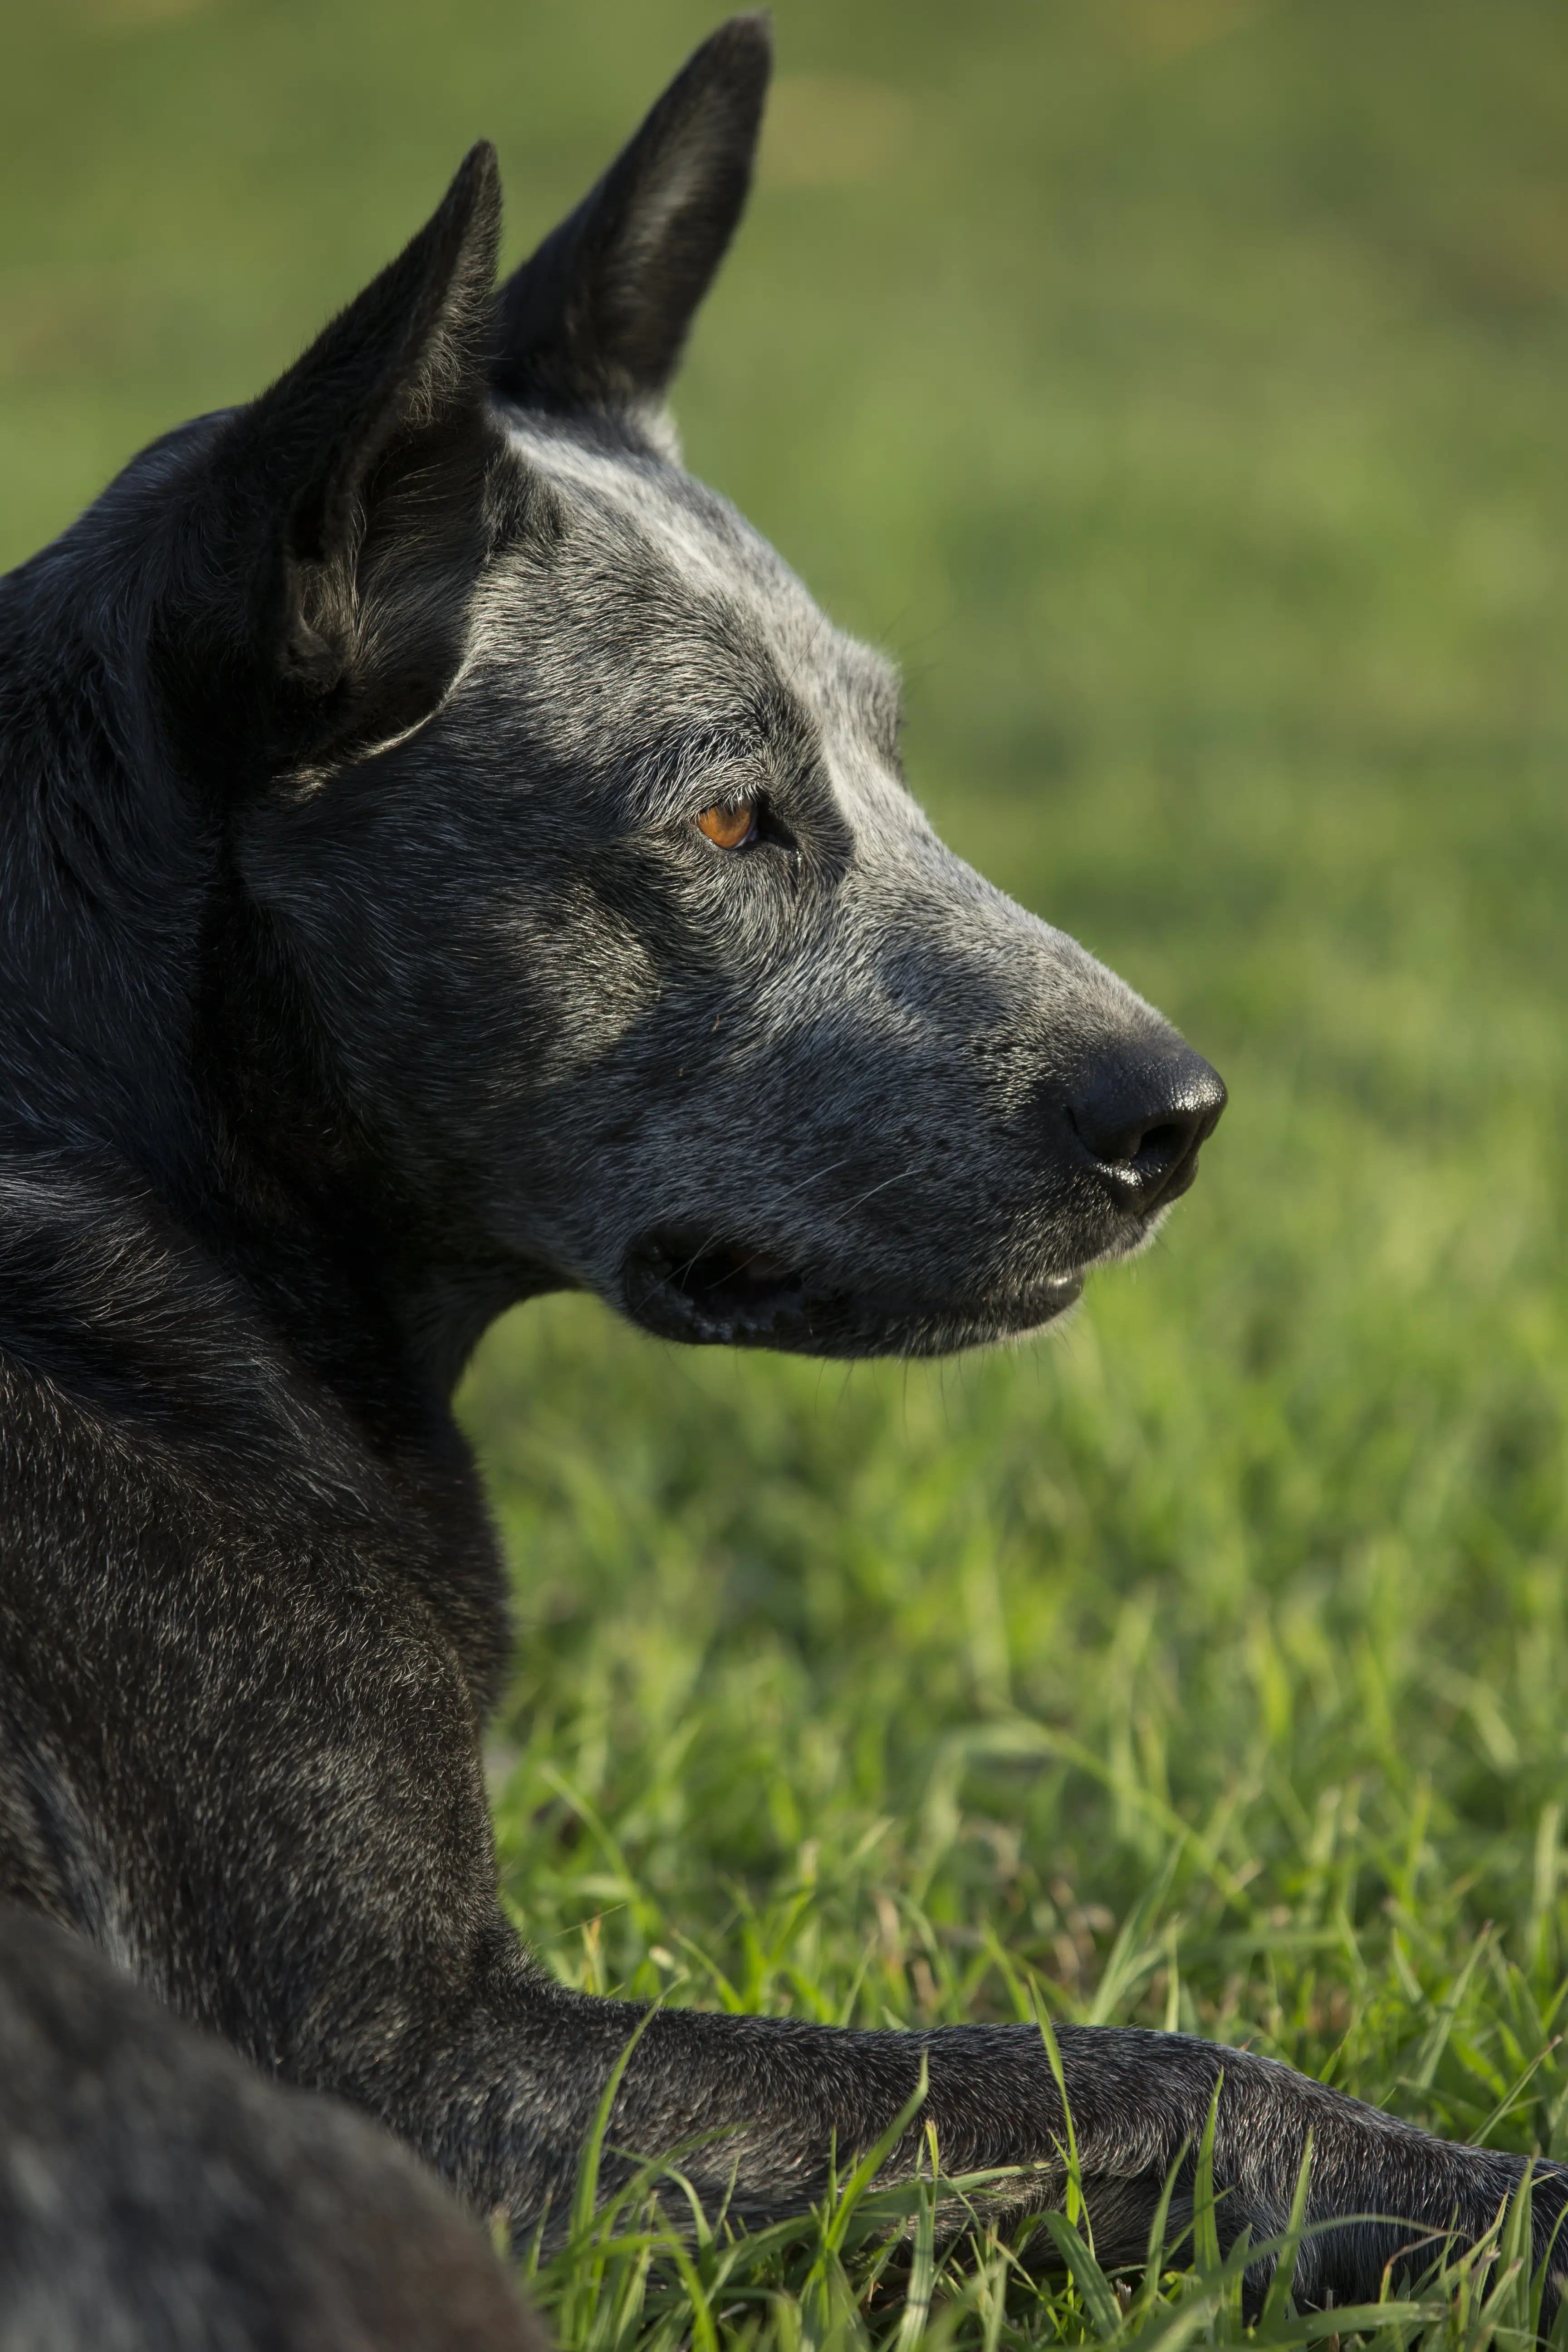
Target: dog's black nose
pixel 1142 1117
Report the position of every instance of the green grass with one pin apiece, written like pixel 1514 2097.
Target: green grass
pixel 1178 387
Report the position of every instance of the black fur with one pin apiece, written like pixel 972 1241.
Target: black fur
pixel 156 2191
pixel 364 968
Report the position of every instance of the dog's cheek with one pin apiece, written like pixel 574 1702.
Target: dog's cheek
pixel 734 915
pixel 580 981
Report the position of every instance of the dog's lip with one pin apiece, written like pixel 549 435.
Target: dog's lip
pixel 740 1292
pixel 711 1283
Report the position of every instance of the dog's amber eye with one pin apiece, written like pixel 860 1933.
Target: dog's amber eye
pixel 730 826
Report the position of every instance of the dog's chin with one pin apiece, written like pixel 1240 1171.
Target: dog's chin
pixel 716 1295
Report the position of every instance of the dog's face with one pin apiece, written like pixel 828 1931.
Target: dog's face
pixel 585 835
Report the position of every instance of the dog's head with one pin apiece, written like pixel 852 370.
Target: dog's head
pixel 579 837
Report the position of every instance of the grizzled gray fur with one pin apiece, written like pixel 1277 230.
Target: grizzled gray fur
pixel 446 856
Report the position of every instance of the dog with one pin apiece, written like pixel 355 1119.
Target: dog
pixel 446 856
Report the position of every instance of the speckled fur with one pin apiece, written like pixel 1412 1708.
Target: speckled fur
pixel 363 971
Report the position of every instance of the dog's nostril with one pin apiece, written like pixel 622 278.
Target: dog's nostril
pixel 1141 1120
pixel 1160 1142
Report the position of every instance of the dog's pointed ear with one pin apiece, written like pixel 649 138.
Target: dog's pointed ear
pixel 598 317
pixel 322 605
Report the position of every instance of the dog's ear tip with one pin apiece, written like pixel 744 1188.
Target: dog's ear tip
pixel 736 62
pixel 479 175
pixel 471 206
pixel 744 40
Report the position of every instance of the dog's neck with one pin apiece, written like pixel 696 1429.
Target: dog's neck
pixel 151 1028
pixel 102 881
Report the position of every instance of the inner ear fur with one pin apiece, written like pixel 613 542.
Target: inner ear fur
pixel 341 516
pixel 599 315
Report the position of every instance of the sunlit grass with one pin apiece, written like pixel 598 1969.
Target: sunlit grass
pixel 903 1699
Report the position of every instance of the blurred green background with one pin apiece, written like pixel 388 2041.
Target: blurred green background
pixel 1179 388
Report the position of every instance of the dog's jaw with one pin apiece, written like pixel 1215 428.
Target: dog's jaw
pixel 715 1294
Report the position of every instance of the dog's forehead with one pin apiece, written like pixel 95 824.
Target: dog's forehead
pixel 717 574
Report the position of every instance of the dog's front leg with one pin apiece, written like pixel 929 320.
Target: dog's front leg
pixel 760 2106
pixel 327 1900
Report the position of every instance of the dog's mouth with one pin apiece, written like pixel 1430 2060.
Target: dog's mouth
pixel 712 1291
pixel 730 1294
